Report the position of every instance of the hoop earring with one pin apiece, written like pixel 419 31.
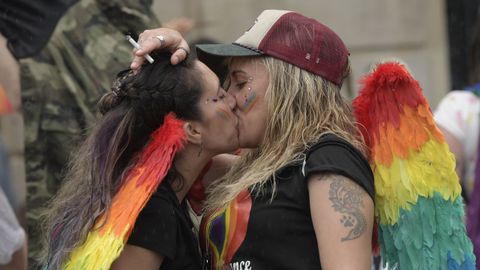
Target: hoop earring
pixel 201 149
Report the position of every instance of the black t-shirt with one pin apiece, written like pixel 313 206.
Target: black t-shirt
pixel 279 234
pixel 164 226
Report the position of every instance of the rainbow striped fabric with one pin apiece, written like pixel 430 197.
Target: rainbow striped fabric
pixel 223 231
pixel 418 207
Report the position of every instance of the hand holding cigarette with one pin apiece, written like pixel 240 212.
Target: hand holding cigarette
pixel 137 46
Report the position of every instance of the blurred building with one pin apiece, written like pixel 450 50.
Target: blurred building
pixel 414 31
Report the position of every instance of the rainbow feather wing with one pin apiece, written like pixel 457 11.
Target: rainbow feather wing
pixel 417 203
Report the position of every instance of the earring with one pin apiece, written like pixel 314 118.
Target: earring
pixel 201 149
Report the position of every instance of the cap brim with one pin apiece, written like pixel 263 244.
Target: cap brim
pixel 226 50
pixel 213 55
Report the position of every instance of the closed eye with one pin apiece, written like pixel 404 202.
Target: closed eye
pixel 241 84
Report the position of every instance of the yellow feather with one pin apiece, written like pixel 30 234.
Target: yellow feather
pixel 429 170
pixel 101 251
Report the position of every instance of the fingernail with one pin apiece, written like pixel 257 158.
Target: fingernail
pixel 176 60
pixel 133 65
pixel 139 51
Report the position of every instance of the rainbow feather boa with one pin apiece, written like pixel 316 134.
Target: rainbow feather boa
pixel 107 238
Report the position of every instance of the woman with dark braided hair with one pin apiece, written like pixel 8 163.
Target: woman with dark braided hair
pixel 122 206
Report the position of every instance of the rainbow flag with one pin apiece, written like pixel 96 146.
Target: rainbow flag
pixel 5 105
pixel 418 207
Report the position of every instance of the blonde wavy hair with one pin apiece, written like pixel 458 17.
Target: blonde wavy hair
pixel 301 108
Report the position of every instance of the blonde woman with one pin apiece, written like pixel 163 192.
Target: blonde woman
pixel 302 196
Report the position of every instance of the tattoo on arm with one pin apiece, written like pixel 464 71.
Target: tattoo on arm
pixel 347 199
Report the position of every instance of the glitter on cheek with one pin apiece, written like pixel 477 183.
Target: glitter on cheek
pixel 249 102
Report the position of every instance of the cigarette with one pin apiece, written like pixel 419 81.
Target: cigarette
pixel 137 46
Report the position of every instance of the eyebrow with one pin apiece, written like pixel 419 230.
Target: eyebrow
pixel 237 72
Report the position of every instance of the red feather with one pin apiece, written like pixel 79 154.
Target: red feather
pixel 383 96
pixel 157 157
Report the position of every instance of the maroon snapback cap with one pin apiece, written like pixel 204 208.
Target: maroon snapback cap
pixel 288 36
